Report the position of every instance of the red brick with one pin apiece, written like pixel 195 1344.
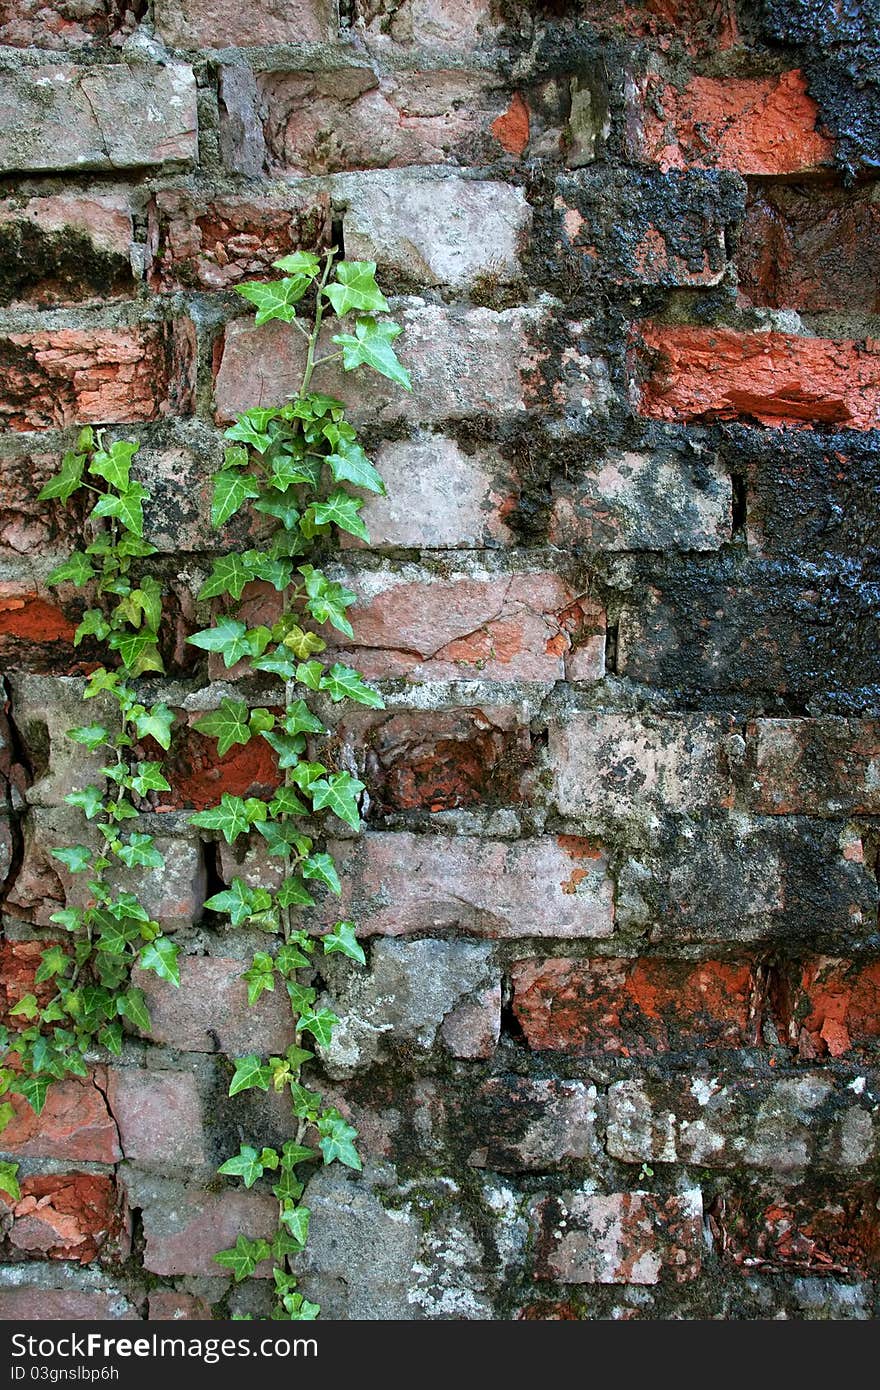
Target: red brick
pixel 434 23
pixel 58 24
pixel 832 1006
pixel 754 125
pixel 32 1304
pixel 99 376
pixel 71 1216
pixel 814 766
pixel 210 1012
pixel 511 628
pixel 65 249
pixel 621 1238
pixel 394 883
pixel 511 129
pixel 166 1305
pixel 815 250
pixel 632 1007
pixel 473 1028
pixel 225 24
pixel 198 776
pixel 159 1117
pixel 19 961
pixel 831 1231
pixel 698 27
pixel 29 527
pixel 184 1236
pixel 523 1125
pixel 75 1124
pixel 25 615
pixel 196 242
pixel 777 378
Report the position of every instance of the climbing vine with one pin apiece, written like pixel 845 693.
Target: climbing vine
pixel 83 993
pixel 293 463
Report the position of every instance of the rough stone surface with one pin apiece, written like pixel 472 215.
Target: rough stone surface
pixel 65 249
pixel 184 1227
pixel 159 1118
pixel 621 1238
pixel 205 24
pixel 75 1124
pixel 209 1013
pixel 522 1125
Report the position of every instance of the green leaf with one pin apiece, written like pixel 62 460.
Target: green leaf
pixel 138 651
pixel 349 464
pixel 341 509
pixel 305 1102
pixel 233 817
pixel 319 1024
pixel 228 636
pixel 327 600
pixel 229 575
pixel 139 851
pixel 65 483
pixel 70 918
pixel 260 976
pixel 77 858
pixel 133 1006
pixel 34 1089
pixel 238 901
pixel 53 961
pixel 231 491
pixel 288 749
pixel 290 959
pixel 246 431
pixel 76 569
pixel 244 1256
pixel 269 568
pixel 91 736
pixel 342 939
pixel 337 1140
pixel 160 956
pixel 370 346
pixel 154 723
pixel 299 719
pixel 303 643
pixel 276 299
pixel 127 508
pixel 296 1220
pixel 322 867
pixel 344 683
pixel 293 893
pixel 310 673
pixel 281 508
pixel 230 724
pixel 250 1073
pixel 9 1180
pixel 355 288
pixel 114 465
pixel 150 778
pixel 93 624
pixel 338 794
pixel 277 663
pixel 27 1007
pixel 110 1037
pixel 90 801
pixel 299 263
pixel 279 836
pixel 245 1165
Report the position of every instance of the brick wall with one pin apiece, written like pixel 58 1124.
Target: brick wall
pixel 615 1051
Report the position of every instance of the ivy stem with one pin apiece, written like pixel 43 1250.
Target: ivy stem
pixel 316 326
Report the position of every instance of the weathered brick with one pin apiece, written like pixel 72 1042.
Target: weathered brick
pixel 224 24
pixel 45 708
pixel 783 1123
pixel 513 627
pixel 438 496
pixel 213 243
pixel 620 765
pixel 621 1238
pixel 831 1006
pixel 159 1117
pixel 438 231
pixel 777 378
pixel 814 766
pixel 70 1216
pixel 750 628
pixel 210 1012
pixel 96 376
pixel 632 1007
pixel 65 249
pixel 31 1303
pixel 440 23
pixel 58 24
pixel 753 125
pixel 26 617
pixel 397 883
pixel 75 1124
pixel 56 118
pixel 696 27
pixel 820 1229
pixel 816 250
pixel 29 527
pixel 184 1227
pixel 664 499
pixel 520 1124
pixel 462 361
pixel 473 1028
pixel 19 962
pixel 198 776
pixel 642 228
pixel 166 1305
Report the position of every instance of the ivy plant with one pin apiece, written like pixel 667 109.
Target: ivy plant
pixel 83 995
pixel 295 464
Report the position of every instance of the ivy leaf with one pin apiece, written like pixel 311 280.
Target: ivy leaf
pixel 287 748
pixel 229 576
pixel 355 288
pixel 343 940
pixel 231 491
pixel 228 636
pixel 76 569
pixel 277 663
pixel 91 736
pixel 244 1256
pixel 349 464
pixel 228 725
pixel 114 464
pixel 237 901
pixel 90 801
pixel 299 263
pixel 245 1165
pixel 305 1102
pixel 293 893
pixel 138 651
pixel 246 431
pixel 154 723
pixel 93 624
pixel 338 794
pixel 276 299
pixel 110 1037
pixel 271 569
pixel 344 683
pixel 70 918
pixel 53 961
pixel 260 976
pixel 310 673
pixel 290 959
pixel 139 851
pixel 321 867
pixel 160 956
pixel 150 778
pixel 320 1024
pixel 337 1140
pixel 298 719
pixel 285 802
pixel 133 1006
pixel 370 345
pixel 233 817
pixel 65 483
pixel 341 509
pixel 77 858
pixel 327 600
pixel 281 508
pixel 127 507
pixel 250 1073
pixel 27 1007
pixel 9 1180
pixel 296 1221
pixel 279 836
pixel 34 1089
